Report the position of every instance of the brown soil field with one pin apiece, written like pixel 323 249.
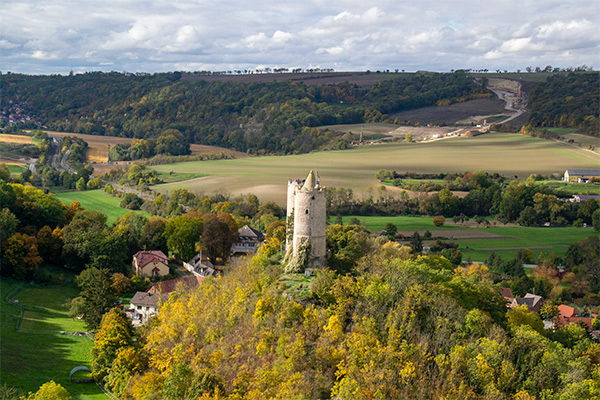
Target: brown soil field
pixel 7 138
pixel 362 79
pixel 11 162
pixel 454 112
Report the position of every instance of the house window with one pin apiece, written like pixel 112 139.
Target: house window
pixel 139 307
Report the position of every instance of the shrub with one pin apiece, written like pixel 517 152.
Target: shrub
pixel 439 221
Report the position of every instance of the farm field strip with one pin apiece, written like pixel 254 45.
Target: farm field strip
pixel 478 242
pixel 507 154
pixel 17 139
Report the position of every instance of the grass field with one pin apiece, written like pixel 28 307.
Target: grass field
pixel 508 154
pixel 30 358
pixel 478 242
pixel 97 200
pixel 574 188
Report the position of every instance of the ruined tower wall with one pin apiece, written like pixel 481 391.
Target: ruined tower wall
pixel 309 220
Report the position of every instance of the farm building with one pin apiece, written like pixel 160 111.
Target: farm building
pixel 150 263
pixel 581 175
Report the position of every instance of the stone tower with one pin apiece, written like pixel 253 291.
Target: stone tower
pixel 306 206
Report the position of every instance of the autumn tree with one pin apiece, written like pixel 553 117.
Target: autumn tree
pixel 114 332
pixel 22 254
pixel 49 391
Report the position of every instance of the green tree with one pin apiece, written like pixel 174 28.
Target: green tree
pixel 81 185
pixel 8 224
pixel 153 235
pixel 182 234
pixel 391 229
pixel 98 294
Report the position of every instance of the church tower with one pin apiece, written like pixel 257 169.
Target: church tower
pixel 306 217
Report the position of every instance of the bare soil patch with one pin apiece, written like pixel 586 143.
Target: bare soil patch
pixel 452 113
pixel 18 139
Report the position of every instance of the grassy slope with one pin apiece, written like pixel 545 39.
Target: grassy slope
pixel 31 359
pixel 267 177
pixel 96 200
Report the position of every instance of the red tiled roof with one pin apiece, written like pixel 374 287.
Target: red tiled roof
pixel 145 257
pixel 566 311
pixel 170 285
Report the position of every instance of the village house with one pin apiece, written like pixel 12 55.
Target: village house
pixel 144 305
pixel 200 265
pixel 568 315
pixel 581 175
pixel 248 240
pixel 150 263
pixel 532 301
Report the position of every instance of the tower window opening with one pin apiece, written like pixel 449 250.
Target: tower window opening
pixel 313 197
pixel 307 211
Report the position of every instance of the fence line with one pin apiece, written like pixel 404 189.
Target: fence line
pixel 18 305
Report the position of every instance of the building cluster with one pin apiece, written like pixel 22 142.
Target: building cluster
pixel 566 314
pixel 15 114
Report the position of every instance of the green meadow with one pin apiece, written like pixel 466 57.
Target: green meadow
pixel 38 353
pixel 478 242
pixel 97 200
pixel 508 154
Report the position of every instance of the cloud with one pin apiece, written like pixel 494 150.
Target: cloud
pixel 165 35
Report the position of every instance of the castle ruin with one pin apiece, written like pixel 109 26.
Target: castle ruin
pixel 306 221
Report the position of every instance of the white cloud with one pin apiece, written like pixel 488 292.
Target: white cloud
pixel 161 35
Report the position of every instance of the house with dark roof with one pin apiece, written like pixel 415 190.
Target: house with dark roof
pixel 248 240
pixel 150 263
pixel 144 305
pixel 581 175
pixel 532 301
pixel 200 265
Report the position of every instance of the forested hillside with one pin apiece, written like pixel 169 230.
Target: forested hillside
pixel 259 116
pixel 401 327
pixel 571 101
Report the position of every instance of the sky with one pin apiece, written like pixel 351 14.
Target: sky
pixel 59 36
